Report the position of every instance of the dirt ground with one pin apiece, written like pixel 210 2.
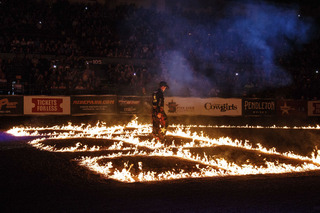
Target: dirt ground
pixel 40 181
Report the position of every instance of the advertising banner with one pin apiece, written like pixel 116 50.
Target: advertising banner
pixel 87 104
pixel 259 107
pixel 203 106
pixel 146 105
pixel 221 106
pixel 313 108
pixel 46 105
pixel 176 106
pixel 291 108
pixel 11 105
pixel 129 104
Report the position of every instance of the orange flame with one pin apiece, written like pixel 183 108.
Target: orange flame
pixel 133 141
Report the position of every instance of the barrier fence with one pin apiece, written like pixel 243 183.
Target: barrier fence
pixel 16 105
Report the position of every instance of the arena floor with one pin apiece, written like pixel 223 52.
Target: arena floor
pixel 37 180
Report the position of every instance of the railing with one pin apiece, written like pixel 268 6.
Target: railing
pixel 33 89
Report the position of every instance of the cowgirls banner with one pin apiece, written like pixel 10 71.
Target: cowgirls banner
pixel 203 106
pixel 46 105
pixel 221 106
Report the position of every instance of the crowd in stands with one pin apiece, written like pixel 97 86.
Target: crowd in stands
pixel 70 76
pixel 73 29
pixel 46 49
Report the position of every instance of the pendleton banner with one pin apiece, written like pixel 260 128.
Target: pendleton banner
pixel 259 107
pixel 313 108
pixel 46 105
pixel 291 108
pixel 129 104
pixel 88 104
pixel 11 105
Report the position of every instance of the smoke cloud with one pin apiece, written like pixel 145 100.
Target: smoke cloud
pixel 183 80
pixel 207 52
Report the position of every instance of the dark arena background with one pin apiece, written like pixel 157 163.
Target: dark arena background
pixel 76 79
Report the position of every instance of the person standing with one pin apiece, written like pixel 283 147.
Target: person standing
pixel 159 117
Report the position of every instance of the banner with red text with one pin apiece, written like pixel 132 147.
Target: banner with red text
pixel 313 108
pixel 46 105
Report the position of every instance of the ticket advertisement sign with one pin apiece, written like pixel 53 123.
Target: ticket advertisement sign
pixel 291 108
pixel 129 104
pixel 313 108
pixel 88 105
pixel 11 105
pixel 259 107
pixel 46 105
pixel 203 106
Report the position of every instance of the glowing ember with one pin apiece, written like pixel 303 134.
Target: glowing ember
pixel 129 154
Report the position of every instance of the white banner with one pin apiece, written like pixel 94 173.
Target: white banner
pixel 46 105
pixel 181 106
pixel 313 108
pixel 176 106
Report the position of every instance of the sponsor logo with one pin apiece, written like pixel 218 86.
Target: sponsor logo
pixel 172 106
pixel 285 109
pixel 130 109
pixel 9 105
pixel 131 102
pixel 316 110
pixel 221 107
pixel 256 105
pixel 47 105
pixel 92 102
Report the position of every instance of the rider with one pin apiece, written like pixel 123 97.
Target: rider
pixel 159 117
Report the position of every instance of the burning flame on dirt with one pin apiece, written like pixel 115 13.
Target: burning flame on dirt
pixel 129 154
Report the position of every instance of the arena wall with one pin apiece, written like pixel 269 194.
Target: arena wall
pixel 15 105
